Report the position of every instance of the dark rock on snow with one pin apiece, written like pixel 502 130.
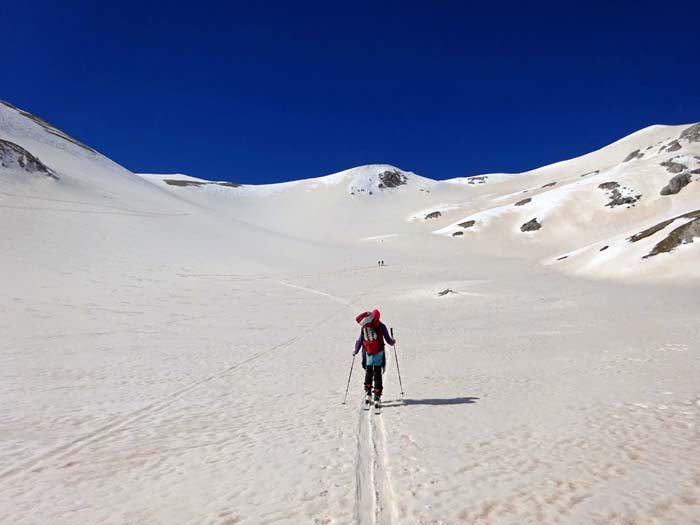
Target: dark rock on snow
pixel 676 184
pixel 531 226
pixel 467 224
pixel 13 156
pixel 392 179
pixel 691 134
pixel 457 234
pixel 660 226
pixel 523 202
pixel 198 183
pixel 549 185
pixel 634 155
pixel 618 199
pixel 674 167
pixel 433 215
pixel 674 146
pixel 682 235
pixel 609 185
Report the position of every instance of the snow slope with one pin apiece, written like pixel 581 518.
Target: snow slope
pixel 178 352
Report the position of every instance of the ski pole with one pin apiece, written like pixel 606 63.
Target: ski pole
pixel 348 387
pixel 396 358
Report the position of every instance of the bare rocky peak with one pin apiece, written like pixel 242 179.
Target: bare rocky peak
pixel 14 157
pixel 392 179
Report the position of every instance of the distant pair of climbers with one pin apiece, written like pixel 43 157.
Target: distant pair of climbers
pixel 373 333
pixel 380 263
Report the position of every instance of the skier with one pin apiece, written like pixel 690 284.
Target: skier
pixel 372 336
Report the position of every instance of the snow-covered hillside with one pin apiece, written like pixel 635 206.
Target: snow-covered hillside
pixel 176 350
pixel 579 216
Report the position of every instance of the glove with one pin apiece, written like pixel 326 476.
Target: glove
pixel 354 353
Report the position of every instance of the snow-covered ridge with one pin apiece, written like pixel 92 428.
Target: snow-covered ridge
pixel 638 180
pixel 476 180
pixel 16 126
pixel 372 179
pixel 596 205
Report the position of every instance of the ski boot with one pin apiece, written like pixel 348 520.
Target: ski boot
pixel 377 401
pixel 368 398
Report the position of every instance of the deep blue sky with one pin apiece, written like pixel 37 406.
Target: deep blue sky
pixel 267 91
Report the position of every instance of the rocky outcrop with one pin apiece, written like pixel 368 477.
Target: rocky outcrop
pixel 16 158
pixel 549 184
pixel 433 215
pixel 531 226
pixel 691 134
pixel 590 173
pixel 676 184
pixel 392 179
pixel 619 195
pixel 197 183
pixel 618 198
pixel 466 224
pixel 660 226
pixel 673 146
pixel 523 202
pixel 636 154
pixel 457 234
pixel 609 185
pixel 684 234
pixel 674 167
pixel 446 292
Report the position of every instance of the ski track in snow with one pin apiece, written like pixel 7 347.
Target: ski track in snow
pixel 117 424
pixel 375 501
pixel 67 449
pixel 318 292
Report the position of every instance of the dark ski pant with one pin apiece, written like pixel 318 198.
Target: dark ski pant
pixel 373 373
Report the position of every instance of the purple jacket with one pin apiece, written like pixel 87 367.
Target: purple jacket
pixel 384 332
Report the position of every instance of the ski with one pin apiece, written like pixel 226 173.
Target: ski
pixel 377 407
pixel 367 403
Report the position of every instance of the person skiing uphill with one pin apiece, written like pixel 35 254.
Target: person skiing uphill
pixel 373 333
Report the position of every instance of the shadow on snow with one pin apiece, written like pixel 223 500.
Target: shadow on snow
pixel 449 401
